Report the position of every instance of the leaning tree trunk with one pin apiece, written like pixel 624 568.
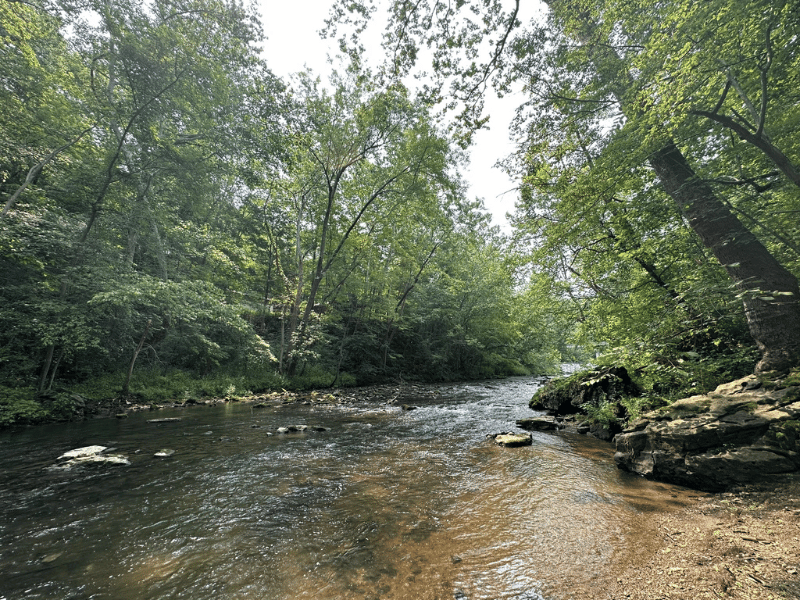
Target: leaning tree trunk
pixel 769 292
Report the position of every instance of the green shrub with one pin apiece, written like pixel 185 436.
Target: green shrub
pixel 19 406
pixel 155 387
pixel 604 413
pixel 315 377
pixel 793 378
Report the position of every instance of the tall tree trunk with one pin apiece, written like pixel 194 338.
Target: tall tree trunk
pixel 48 360
pixel 126 385
pixel 769 292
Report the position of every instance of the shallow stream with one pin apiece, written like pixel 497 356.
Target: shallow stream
pixel 388 504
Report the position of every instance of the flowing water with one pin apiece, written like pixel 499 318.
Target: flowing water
pixel 385 504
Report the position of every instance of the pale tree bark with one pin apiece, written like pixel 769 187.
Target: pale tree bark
pixel 126 385
pixel 37 169
pixel 325 257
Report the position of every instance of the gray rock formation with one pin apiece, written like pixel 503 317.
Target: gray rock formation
pixel 741 432
pixel 569 395
pixel 538 424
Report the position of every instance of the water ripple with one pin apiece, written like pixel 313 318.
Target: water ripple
pixel 389 504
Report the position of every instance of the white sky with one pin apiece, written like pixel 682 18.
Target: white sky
pixel 293 44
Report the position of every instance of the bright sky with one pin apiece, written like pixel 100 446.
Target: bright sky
pixel 293 44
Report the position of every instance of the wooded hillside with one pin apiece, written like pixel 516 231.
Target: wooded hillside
pixel 172 209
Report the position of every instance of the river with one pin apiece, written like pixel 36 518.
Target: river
pixel 385 504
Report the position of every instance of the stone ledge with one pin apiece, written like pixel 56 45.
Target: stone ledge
pixel 739 433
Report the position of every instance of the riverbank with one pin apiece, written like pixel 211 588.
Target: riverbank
pixel 741 545
pixel 394 394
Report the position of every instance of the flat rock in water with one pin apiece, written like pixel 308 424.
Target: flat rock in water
pixel 164 453
pixel 89 455
pixel 83 452
pixel 52 557
pixel 538 424
pixel 164 420
pixel 512 440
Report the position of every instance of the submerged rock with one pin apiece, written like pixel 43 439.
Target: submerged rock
pixel 739 433
pixel 538 424
pixel 52 557
pixel 164 420
pixel 164 453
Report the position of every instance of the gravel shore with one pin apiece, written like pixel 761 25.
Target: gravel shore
pixel 743 544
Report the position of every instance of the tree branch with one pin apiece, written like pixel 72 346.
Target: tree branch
pixel 37 168
pixel 759 141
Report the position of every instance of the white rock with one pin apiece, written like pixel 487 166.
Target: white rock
pixel 82 452
pixel 89 454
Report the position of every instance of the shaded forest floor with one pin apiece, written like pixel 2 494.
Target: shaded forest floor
pixel 740 545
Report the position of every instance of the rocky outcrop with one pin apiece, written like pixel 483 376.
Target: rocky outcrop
pixel 570 395
pixel 739 433
pixel 538 424
pixel 604 431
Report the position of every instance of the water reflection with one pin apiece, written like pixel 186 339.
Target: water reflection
pixel 385 504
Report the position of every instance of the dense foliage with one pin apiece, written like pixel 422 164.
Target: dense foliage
pixel 177 221
pixel 658 162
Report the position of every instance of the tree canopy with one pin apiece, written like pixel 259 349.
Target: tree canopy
pixel 174 212
pixel 657 157
pixel 172 209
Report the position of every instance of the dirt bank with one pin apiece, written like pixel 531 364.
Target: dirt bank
pixel 740 545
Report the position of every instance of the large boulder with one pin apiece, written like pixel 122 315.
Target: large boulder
pixel 538 424
pixel 568 396
pixel 741 432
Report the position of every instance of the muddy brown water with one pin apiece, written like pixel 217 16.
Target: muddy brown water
pixel 385 504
